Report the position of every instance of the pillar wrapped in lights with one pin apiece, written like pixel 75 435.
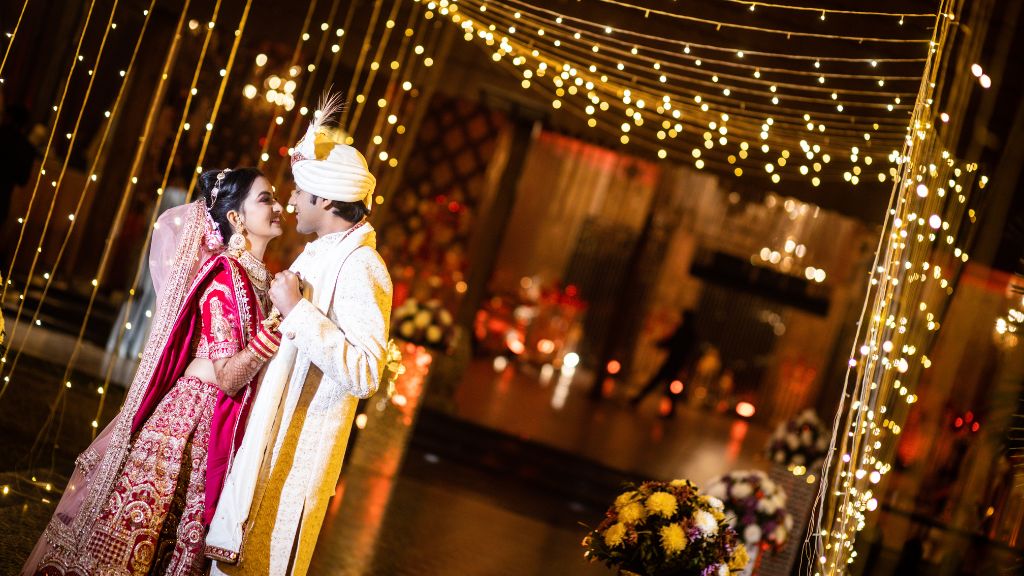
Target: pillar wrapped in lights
pixel 918 261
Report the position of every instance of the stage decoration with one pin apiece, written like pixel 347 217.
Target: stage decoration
pixel 799 443
pixel 917 266
pixel 424 323
pixel 821 118
pixel 755 506
pixel 667 528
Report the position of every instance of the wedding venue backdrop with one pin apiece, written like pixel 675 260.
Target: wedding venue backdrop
pixel 855 110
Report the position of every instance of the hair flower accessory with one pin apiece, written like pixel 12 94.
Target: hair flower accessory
pixel 212 236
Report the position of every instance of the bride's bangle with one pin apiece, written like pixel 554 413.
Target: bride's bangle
pixel 265 343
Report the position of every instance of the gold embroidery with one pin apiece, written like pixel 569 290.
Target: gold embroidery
pixel 220 328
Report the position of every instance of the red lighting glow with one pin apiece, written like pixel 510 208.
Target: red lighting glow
pixel 676 387
pixel 614 367
pixel 745 409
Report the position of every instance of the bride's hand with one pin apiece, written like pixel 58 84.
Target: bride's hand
pixel 285 291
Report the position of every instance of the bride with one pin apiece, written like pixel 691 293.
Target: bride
pixel 142 494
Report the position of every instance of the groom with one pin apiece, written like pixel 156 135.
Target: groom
pixel 335 304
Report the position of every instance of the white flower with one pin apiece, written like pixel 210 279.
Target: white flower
pixel 806 437
pixel 723 570
pixel 716 503
pixel 769 486
pixel 779 535
pixel 752 534
pixel 792 441
pixel 788 522
pixel 766 506
pixel 741 490
pixel 717 490
pixel 705 522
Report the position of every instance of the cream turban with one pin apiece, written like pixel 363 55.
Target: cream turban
pixel 325 166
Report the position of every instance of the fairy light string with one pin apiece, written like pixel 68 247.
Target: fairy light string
pixel 655 108
pixel 581 54
pixel 424 79
pixel 76 213
pixel 58 111
pixel 56 184
pixel 168 167
pixel 352 124
pixel 360 63
pixel 327 32
pixel 387 114
pixel 10 39
pixel 752 4
pixel 916 268
pixel 293 64
pixel 105 260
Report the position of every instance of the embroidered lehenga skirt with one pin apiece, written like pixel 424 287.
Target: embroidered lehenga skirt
pixel 153 521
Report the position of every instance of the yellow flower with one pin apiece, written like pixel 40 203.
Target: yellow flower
pixel 662 503
pixel 718 514
pixel 625 498
pixel 632 513
pixel 614 534
pixel 673 540
pixel 739 558
pixel 679 483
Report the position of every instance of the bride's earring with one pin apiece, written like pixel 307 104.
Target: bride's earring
pixel 236 244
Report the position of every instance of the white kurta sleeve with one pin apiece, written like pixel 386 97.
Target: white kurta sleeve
pixel 352 352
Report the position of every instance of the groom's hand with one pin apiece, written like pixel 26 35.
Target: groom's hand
pixel 285 291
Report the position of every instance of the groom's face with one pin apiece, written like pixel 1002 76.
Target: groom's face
pixel 308 213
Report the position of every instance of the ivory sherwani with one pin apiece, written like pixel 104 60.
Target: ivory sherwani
pixel 332 354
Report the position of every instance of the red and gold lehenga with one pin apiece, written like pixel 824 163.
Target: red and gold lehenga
pixel 144 492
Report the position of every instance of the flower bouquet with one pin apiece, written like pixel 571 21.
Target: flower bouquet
pixel 424 323
pixel 755 506
pixel 800 442
pixel 666 529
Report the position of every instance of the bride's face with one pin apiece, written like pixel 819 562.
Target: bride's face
pixel 262 211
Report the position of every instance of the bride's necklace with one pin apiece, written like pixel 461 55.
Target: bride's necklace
pixel 255 270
